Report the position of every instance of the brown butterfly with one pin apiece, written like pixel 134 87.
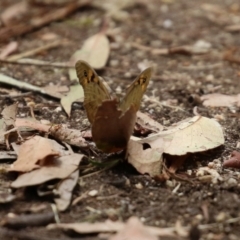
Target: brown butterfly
pixel 112 120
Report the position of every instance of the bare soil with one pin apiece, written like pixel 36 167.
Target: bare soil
pixel 174 78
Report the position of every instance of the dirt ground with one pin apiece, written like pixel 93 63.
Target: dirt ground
pixel 180 77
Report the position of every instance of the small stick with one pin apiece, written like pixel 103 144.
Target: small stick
pixel 29 61
pixel 36 50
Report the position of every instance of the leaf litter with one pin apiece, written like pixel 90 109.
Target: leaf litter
pixel 166 139
pixel 193 135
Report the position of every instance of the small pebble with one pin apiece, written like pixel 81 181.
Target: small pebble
pixel 211 165
pixel 114 46
pixel 210 77
pixel 167 24
pixel 220 217
pixel 118 90
pixel 127 75
pixel 58 109
pixel 164 8
pixel 170 183
pixel 139 186
pixel 93 193
pixel 114 63
pixel 232 182
pixel 156 43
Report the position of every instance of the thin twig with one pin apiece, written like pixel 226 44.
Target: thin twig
pixel 36 62
pixel 34 51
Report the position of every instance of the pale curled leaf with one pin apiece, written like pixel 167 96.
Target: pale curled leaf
pixel 75 93
pixel 33 152
pixel 60 168
pixel 95 51
pixel 145 161
pixel 189 136
pixel 65 189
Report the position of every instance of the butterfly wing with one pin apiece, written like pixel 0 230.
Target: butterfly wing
pixel 135 91
pixel 94 90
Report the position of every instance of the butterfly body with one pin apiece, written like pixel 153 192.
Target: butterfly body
pixel 112 120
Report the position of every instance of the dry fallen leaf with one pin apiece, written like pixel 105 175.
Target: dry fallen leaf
pixel 109 226
pixel 8 49
pixel 95 51
pixel 145 160
pixel 189 136
pixel 71 136
pixel 7 123
pixel 134 229
pixel 64 189
pixel 56 91
pixel 60 168
pixel 233 161
pixel 26 86
pixel 9 115
pixel 220 100
pixel 29 123
pixel 148 123
pixel 75 93
pixel 34 152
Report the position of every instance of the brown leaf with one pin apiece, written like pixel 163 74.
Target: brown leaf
pixel 33 152
pixel 111 128
pixel 60 168
pixel 65 189
pixel 233 161
pixel 9 114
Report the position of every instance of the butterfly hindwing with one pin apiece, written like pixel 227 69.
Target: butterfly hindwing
pixel 94 90
pixel 136 90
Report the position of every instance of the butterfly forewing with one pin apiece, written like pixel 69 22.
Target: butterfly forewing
pixel 94 90
pixel 135 91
